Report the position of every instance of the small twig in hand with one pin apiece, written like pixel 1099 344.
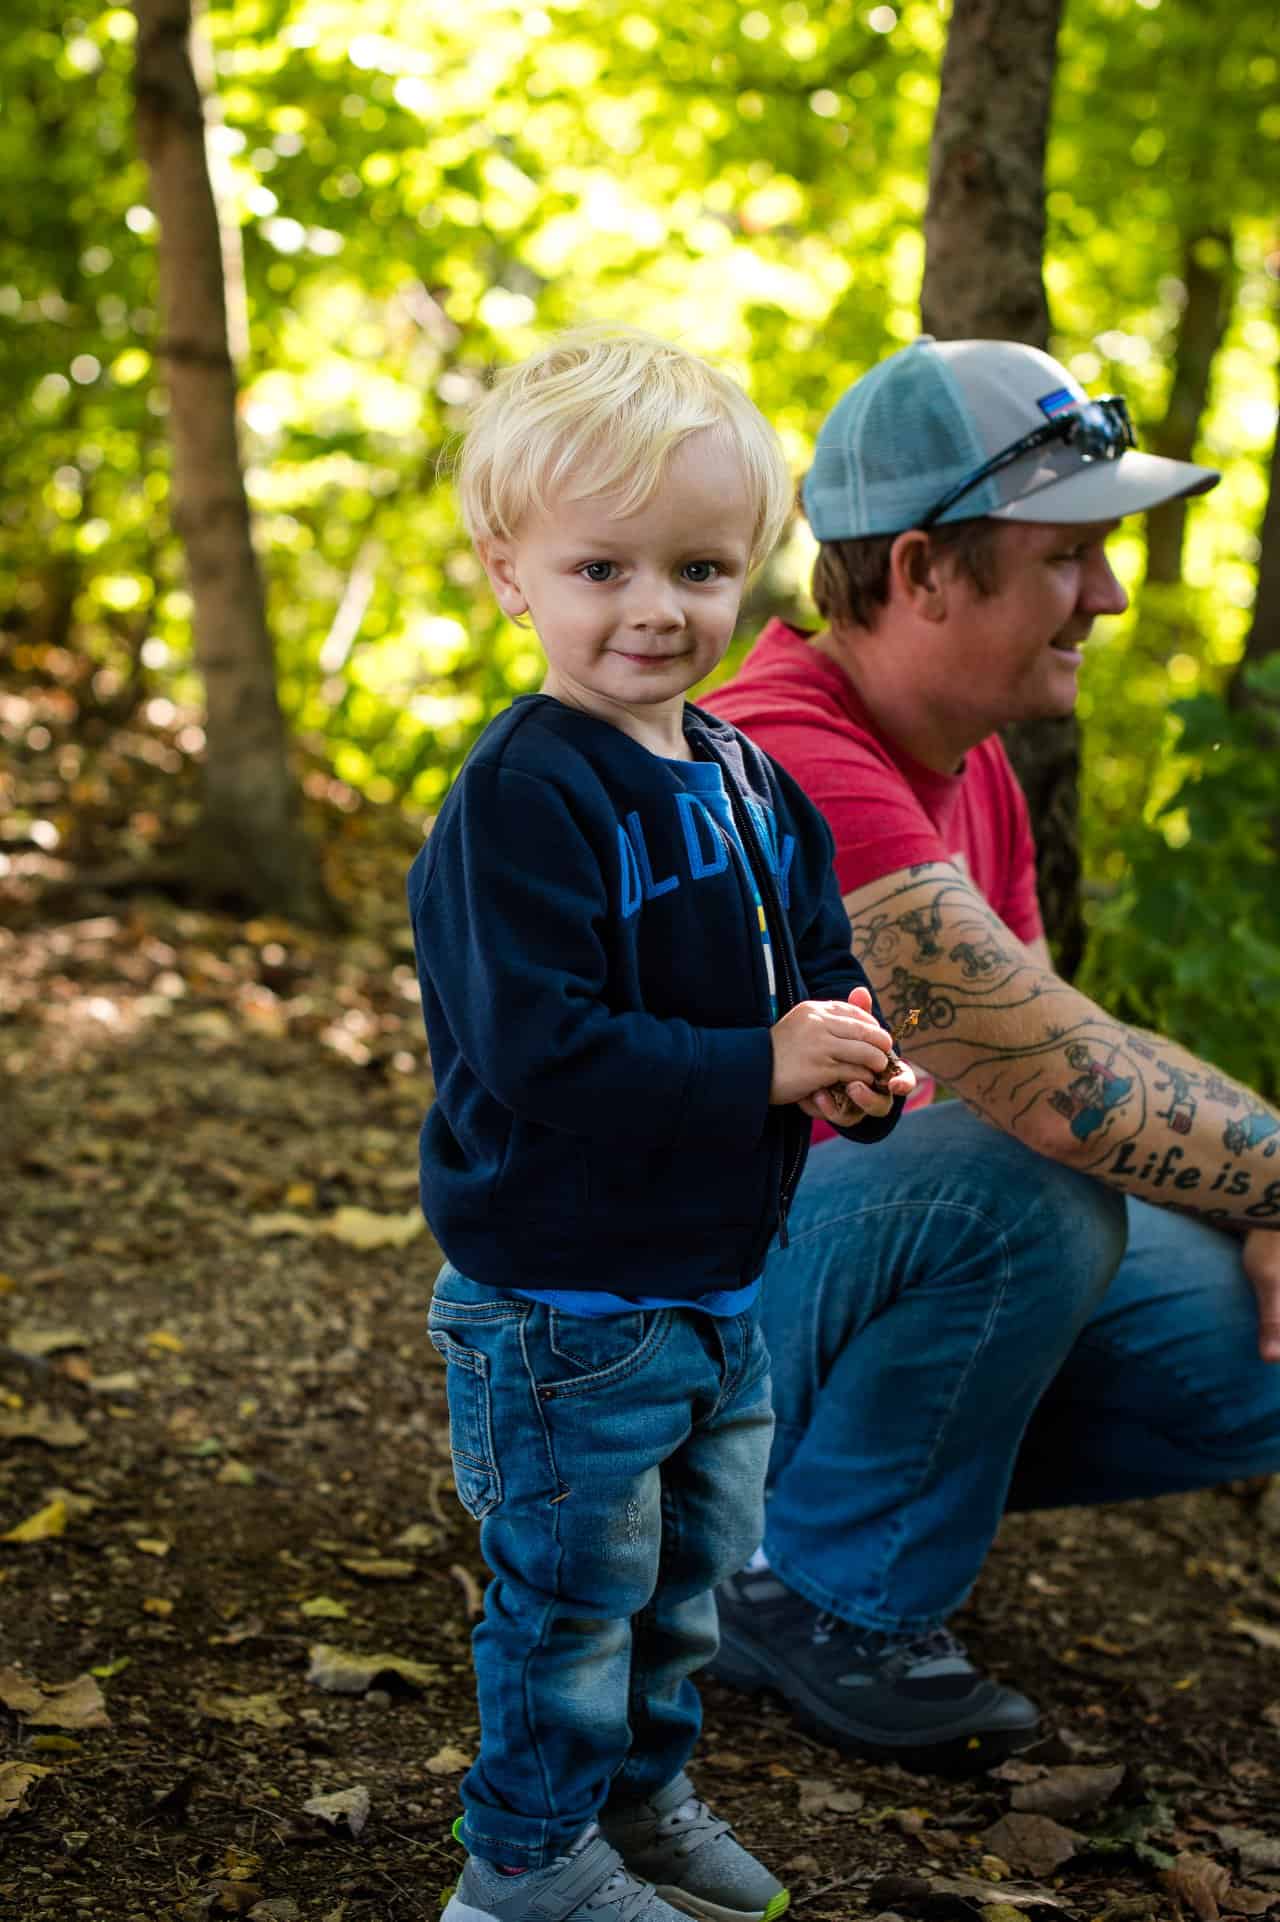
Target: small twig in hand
pixel 880 1082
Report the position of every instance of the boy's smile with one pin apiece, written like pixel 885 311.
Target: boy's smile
pixel 633 609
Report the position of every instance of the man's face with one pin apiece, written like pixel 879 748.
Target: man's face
pixel 1015 655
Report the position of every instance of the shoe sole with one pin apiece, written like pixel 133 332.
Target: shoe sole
pixel 705 1911
pixel 962 1754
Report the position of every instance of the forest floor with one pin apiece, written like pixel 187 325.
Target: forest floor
pixel 235 1587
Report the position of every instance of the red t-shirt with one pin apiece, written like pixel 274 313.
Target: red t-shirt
pixel 886 810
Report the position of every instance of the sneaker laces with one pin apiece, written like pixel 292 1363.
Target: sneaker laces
pixel 621 1887
pixel 897 1654
pixel 692 1823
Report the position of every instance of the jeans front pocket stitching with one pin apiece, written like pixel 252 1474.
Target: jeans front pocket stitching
pixel 640 1357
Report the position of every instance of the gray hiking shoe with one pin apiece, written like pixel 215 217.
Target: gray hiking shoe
pixel 694 1858
pixel 917 1699
pixel 589 1884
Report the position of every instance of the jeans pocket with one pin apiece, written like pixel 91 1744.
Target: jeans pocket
pixel 475 1466
pixel 593 1342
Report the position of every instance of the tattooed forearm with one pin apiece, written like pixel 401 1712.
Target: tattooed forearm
pixel 1036 1058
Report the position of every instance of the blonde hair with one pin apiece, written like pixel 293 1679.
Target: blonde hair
pixel 599 411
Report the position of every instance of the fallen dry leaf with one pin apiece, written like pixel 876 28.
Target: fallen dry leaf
pixel 340 1673
pixel 1031 1844
pixel 262 1711
pixel 324 1608
pixel 349 1805
pixel 818 1796
pixel 166 1339
pixel 1198 1882
pixel 47 1523
pixel 381 1569
pixel 1262 1633
pixel 35 1342
pixel 418 1535
pixel 447 1761
pixel 906 1891
pixel 1067 1792
pixel 75 1704
pixel 39 1424
pixel 1255 1848
pixel 356 1227
pixel 15 1779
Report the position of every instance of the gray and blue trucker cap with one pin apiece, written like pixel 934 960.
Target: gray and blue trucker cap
pixel 916 425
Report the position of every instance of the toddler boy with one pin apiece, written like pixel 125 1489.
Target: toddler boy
pixel 638 988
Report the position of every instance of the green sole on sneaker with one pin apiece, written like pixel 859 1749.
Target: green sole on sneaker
pixel 705 1911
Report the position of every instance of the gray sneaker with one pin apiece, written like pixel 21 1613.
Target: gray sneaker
pixel 694 1858
pixel 589 1884
pixel 917 1700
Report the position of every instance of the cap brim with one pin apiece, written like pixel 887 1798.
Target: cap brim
pixel 1103 490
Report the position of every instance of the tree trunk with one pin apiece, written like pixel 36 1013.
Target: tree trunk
pixel 249 850
pixel 1263 640
pixel 1209 281
pixel 983 279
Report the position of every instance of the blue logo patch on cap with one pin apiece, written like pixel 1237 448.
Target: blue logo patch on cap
pixel 1057 402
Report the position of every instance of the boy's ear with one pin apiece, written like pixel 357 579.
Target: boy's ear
pixel 498 562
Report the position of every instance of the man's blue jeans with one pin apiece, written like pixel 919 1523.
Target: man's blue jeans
pixel 959 1326
pixel 617 1469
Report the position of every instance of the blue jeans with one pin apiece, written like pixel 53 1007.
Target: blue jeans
pixel 959 1326
pixel 617 1469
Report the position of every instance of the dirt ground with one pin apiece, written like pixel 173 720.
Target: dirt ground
pixel 236 1590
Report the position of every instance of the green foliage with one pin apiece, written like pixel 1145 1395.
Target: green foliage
pixel 1189 943
pixel 412 195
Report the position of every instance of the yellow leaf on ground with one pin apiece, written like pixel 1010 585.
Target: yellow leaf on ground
pixel 166 1339
pixel 152 1546
pixel 157 1605
pixel 40 1527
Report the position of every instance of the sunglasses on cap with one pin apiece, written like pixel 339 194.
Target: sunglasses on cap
pixel 1098 430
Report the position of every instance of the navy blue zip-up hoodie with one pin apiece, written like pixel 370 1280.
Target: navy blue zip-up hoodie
pixel 594 989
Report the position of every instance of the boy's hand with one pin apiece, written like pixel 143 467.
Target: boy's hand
pixel 820 1042
pixel 833 1104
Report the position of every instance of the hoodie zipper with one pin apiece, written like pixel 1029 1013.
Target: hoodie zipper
pixel 788 981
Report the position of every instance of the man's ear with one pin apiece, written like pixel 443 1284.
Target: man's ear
pixel 499 562
pixel 916 579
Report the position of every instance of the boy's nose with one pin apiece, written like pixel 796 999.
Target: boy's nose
pixel 654 603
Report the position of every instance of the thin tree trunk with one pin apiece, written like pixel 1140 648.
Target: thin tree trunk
pixel 1207 275
pixel 984 222
pixel 1263 640
pixel 249 849
pixel 983 279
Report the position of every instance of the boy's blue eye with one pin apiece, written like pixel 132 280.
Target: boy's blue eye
pixel 698 571
pixel 598 570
